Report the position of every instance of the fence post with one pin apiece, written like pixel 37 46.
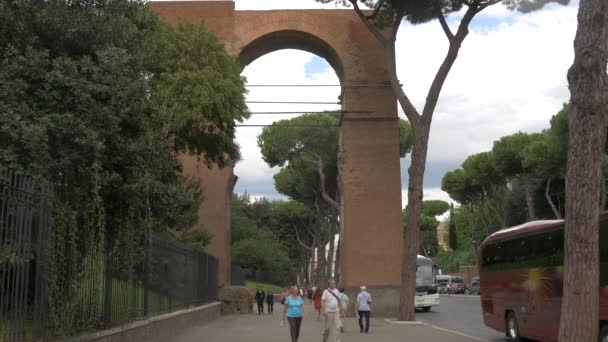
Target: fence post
pixel 107 296
pixel 147 253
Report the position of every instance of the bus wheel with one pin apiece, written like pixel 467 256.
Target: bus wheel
pixel 604 333
pixel 428 308
pixel 512 329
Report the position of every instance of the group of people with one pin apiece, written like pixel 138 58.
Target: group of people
pixel 330 303
pixel 260 295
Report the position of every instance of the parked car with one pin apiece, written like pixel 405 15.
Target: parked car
pixel 456 285
pixel 450 284
pixel 474 287
pixel 442 283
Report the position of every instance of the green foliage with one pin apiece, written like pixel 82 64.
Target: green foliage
pixel 450 262
pixel 197 237
pixel 263 235
pixel 198 91
pixel 97 97
pixel 509 153
pixel 435 207
pixel 547 156
pixel 428 225
pixel 298 149
pixel 487 204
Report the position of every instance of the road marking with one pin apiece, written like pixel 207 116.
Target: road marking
pixel 394 321
pixel 457 333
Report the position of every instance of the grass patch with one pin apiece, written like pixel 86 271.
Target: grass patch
pixel 268 288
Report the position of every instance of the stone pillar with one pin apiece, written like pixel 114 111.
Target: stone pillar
pixel 371 243
pixel 214 212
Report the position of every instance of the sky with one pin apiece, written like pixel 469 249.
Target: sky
pixel 510 76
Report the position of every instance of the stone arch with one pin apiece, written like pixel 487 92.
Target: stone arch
pixel 370 176
pixel 291 39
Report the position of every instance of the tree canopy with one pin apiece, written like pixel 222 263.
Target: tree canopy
pixel 97 97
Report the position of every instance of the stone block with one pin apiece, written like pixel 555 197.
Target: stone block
pixel 236 300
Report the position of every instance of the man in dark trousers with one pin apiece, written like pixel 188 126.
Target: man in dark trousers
pixel 259 297
pixel 270 302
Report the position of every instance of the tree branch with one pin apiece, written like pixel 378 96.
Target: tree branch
pixel 556 212
pixel 376 10
pixel 371 27
pixel 442 21
pixel 408 108
pixel 396 26
pixel 310 248
pixel 442 74
pixel 487 4
pixel 321 173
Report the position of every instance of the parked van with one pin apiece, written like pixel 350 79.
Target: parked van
pixel 450 284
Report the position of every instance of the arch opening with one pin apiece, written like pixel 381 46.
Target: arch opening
pixel 291 39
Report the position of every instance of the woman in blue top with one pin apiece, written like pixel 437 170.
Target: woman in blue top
pixel 294 312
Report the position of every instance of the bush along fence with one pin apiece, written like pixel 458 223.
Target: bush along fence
pixel 62 275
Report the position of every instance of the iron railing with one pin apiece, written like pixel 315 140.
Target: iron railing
pixel 42 297
pixel 25 208
pixel 237 276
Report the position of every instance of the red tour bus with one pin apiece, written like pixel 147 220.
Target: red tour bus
pixel 522 278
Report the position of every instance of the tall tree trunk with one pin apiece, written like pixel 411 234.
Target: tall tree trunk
pixel 603 202
pixel 527 183
pixel 474 220
pixel 499 209
pixel 337 266
pixel 411 243
pixel 322 265
pixel 587 135
pixel 319 271
pixel 556 212
pixel 421 125
pixel 330 252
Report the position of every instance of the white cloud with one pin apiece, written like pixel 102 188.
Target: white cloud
pixel 510 76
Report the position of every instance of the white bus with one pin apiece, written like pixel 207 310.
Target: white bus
pixel 426 285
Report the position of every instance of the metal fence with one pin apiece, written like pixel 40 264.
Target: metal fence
pixel 25 208
pixel 237 276
pixel 43 297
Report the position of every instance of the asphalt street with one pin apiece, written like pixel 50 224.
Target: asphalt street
pixel 461 314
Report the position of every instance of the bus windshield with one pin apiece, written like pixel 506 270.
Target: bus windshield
pixel 424 272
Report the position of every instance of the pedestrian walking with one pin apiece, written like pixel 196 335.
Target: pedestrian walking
pixel 294 313
pixel 259 297
pixel 285 294
pixel 364 308
pixel 331 310
pixel 317 301
pixel 270 303
pixel 343 307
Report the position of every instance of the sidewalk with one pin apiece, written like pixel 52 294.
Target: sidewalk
pixel 266 328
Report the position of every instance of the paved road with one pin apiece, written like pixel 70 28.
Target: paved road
pixel 461 314
pixel 266 328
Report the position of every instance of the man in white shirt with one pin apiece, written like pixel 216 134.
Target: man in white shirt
pixel 331 309
pixel 364 308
